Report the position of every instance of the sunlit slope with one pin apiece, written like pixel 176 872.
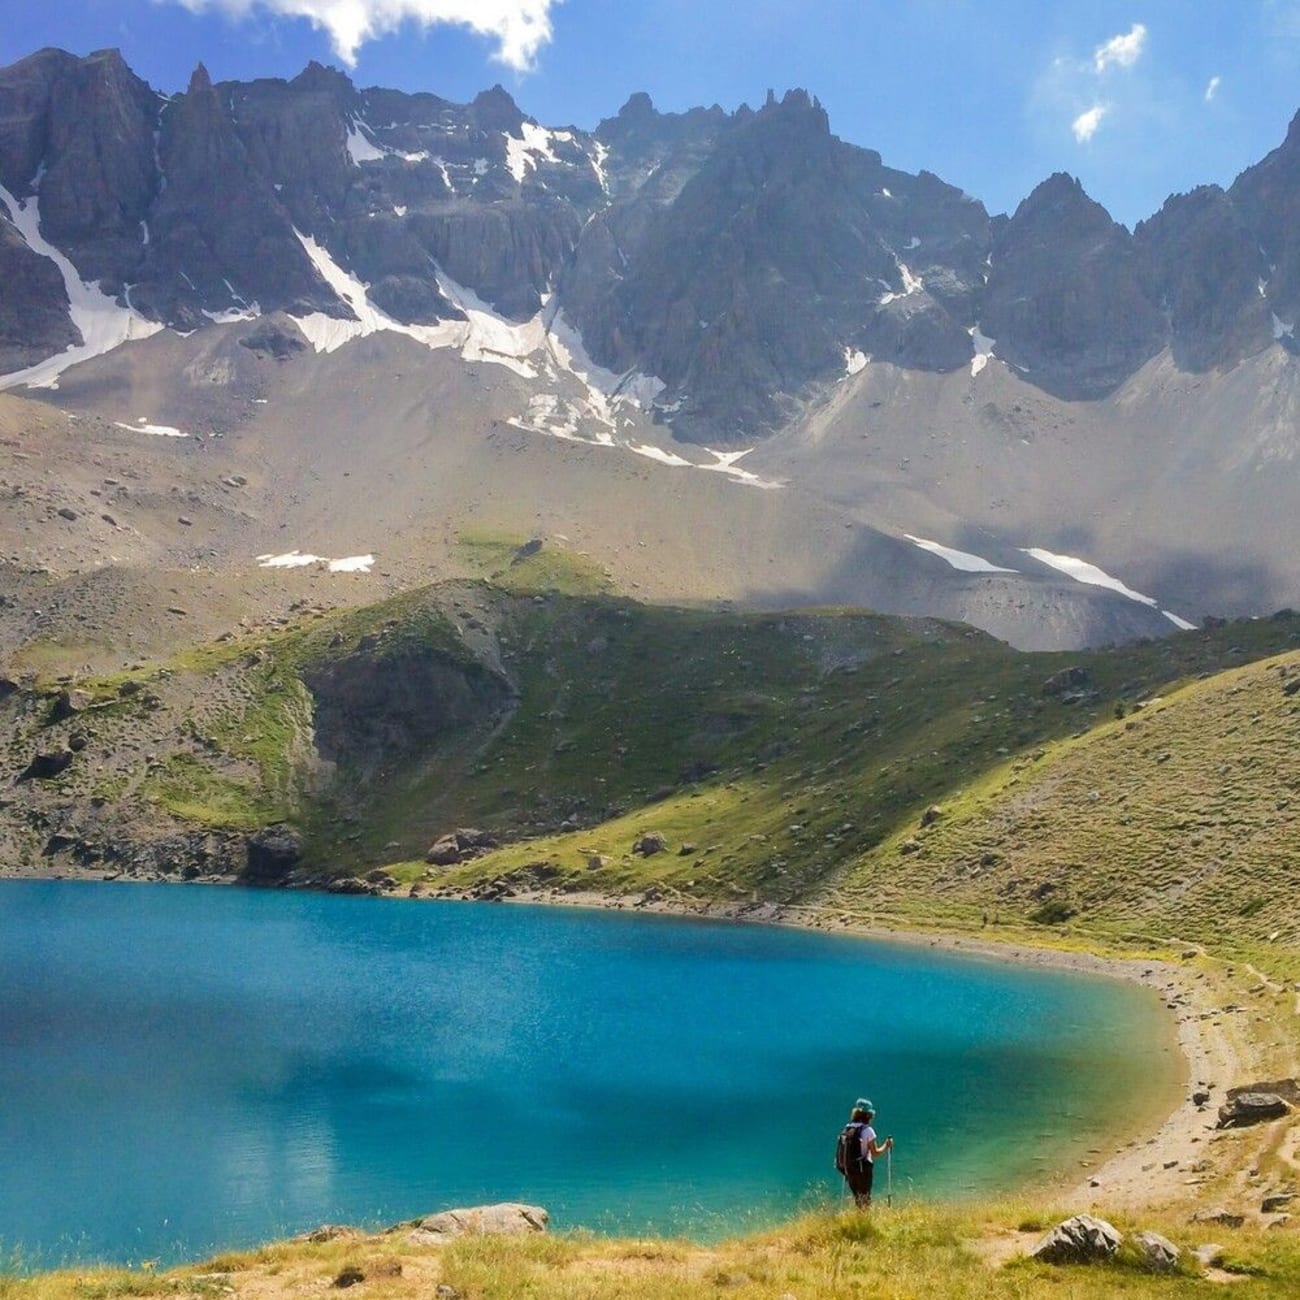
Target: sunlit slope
pixel 1182 816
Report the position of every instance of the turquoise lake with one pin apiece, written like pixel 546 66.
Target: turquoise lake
pixel 188 1069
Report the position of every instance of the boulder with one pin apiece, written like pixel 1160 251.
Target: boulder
pixel 1276 1203
pixel 1251 1108
pixel 509 1219
pixel 67 704
pixel 46 765
pixel 444 851
pixel 931 815
pixel 650 843
pixel 1082 1239
pixel 1073 678
pixel 1160 1254
pixel 1217 1214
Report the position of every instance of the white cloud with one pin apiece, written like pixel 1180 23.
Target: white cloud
pixel 520 27
pixel 1085 125
pixel 1121 51
pixel 1213 88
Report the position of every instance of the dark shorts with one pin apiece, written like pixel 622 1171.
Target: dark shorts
pixel 860 1182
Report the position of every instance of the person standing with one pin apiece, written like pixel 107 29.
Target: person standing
pixel 858 1149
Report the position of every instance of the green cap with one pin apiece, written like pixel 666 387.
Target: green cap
pixel 863 1104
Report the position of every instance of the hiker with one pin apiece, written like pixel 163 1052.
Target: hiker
pixel 856 1152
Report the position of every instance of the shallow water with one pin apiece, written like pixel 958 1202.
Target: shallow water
pixel 183 1070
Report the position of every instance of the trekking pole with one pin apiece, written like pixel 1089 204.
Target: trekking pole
pixel 889 1176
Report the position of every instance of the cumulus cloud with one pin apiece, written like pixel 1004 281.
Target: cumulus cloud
pixel 1213 88
pixel 519 27
pixel 1085 125
pixel 1120 51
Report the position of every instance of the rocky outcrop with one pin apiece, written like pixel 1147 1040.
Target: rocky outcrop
pixel 379 704
pixel 1207 266
pixel 220 235
pixel 273 854
pixel 1067 300
pixel 1246 1108
pixel 34 318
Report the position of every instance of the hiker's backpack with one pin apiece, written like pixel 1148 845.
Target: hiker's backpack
pixel 848 1149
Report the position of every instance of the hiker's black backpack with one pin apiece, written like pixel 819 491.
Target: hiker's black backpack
pixel 848 1149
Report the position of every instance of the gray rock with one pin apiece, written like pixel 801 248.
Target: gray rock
pixel 444 851
pixel 1275 1203
pixel 272 855
pixel 1247 1108
pixel 650 843
pixel 509 1219
pixel 1217 1214
pixel 1082 1239
pixel 1159 1252
pixel 46 765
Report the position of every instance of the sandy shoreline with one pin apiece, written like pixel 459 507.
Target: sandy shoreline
pixel 1182 1161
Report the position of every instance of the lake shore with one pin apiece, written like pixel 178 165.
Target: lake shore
pixel 1165 1151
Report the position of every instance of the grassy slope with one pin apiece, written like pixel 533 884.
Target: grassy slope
pixel 784 757
pixel 915 1251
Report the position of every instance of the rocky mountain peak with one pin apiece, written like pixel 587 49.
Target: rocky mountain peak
pixel 200 81
pixel 1067 299
pixel 496 110
pixel 317 78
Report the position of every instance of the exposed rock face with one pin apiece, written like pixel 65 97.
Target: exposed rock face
pixel 740 258
pixel 776 254
pixel 1208 266
pixel 219 225
pixel 34 319
pixel 1268 197
pixel 273 854
pixel 1082 1239
pixel 1067 299
pixel 376 705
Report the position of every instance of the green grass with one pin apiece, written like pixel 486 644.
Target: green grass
pixel 913 1251
pixel 516 564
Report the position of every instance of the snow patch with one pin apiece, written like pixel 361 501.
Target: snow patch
pixel 301 560
pixel 983 350
pixel 911 244
pixel 962 560
pixel 597 158
pixel 1082 571
pixel 854 361
pixel 361 149
pixel 522 156
pixel 352 564
pixel 102 322
pixel 1281 330
pixel 142 425
pixel 911 284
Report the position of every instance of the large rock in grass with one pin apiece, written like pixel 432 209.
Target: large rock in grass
pixel 1160 1254
pixel 1082 1239
pixel 509 1219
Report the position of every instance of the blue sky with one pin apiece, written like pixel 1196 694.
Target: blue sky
pixel 1137 99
